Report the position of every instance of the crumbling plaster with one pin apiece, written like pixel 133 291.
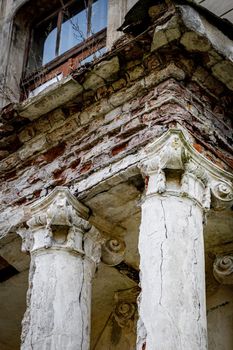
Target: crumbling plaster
pixel 94 148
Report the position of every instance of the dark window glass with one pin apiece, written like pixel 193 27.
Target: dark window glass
pixel 43 44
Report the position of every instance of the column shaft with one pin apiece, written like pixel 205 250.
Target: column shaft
pixel 56 318
pixel 181 185
pixel 172 307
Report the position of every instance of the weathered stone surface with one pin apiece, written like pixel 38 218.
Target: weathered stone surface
pixel 119 332
pixel 26 134
pixel 219 313
pixel 58 308
pixel 56 117
pixel 136 73
pixel 166 33
pixel 224 72
pixel 159 40
pixel 175 320
pixel 34 146
pixel 108 69
pixel 196 23
pixel 104 71
pixel 171 71
pixel 62 132
pixel 194 42
pixel 50 98
pixel 113 251
pixel 223 269
pixel 113 114
pixel 126 94
pixel 94 142
pixel 93 81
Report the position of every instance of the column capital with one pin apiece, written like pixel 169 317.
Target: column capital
pixel 223 269
pixel 58 221
pixel 173 166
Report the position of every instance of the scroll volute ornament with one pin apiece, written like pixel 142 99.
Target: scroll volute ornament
pixel 126 307
pixel 113 251
pixel 223 269
pixel 222 195
pixel 124 312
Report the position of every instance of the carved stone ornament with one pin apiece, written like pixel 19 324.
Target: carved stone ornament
pixel 27 239
pixel 172 156
pixel 223 269
pixel 172 165
pixel 113 251
pixel 58 221
pixel 222 195
pixel 124 312
pixel 126 306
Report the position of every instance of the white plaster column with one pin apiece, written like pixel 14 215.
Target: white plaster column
pixel 172 307
pixel 64 252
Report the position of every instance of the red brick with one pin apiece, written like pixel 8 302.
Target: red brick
pixel 57 172
pixel 75 163
pixel 85 167
pixel 119 148
pixel 54 152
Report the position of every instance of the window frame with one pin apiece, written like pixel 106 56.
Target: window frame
pixel 85 47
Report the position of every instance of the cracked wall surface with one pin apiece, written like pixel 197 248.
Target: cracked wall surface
pixel 87 133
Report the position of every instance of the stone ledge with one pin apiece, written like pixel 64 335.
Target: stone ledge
pixel 49 99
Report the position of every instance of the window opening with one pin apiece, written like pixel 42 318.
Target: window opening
pixel 68 27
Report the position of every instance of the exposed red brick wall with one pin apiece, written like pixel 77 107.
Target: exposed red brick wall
pixel 150 94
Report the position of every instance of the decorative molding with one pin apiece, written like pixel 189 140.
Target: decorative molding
pixel 223 269
pixel 59 222
pixel 113 251
pixel 222 195
pixel 195 183
pixel 60 191
pixel 196 177
pixel 126 307
pixel 171 156
pixel 197 157
pixel 119 332
pixel 124 312
pixel 27 239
